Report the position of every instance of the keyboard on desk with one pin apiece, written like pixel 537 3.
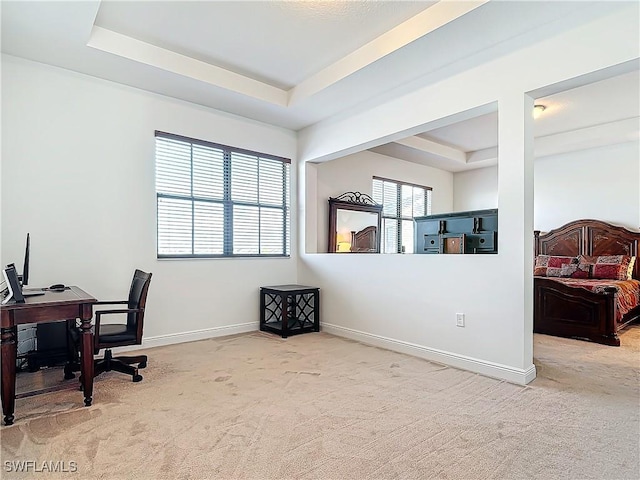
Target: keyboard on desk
pixel 32 292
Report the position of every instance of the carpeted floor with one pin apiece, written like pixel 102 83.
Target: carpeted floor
pixel 255 406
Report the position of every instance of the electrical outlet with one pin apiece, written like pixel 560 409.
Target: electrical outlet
pixel 460 319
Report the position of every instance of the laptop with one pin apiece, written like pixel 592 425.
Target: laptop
pixel 14 288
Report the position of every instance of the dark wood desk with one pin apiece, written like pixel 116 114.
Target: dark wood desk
pixel 52 306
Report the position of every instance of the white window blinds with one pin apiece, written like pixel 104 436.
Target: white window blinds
pixel 215 200
pixel 401 202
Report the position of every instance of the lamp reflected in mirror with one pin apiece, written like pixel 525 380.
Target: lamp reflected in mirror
pixel 343 239
pixel 343 247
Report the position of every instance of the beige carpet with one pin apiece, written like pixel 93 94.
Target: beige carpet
pixel 255 406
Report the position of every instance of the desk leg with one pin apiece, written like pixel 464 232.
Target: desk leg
pixel 8 337
pixel 86 345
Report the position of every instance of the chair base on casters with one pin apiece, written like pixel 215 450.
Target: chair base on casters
pixel 108 363
pixel 120 364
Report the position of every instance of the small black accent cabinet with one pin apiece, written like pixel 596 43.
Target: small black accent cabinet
pixel 289 309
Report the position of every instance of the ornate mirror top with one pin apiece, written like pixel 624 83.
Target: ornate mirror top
pixel 356 197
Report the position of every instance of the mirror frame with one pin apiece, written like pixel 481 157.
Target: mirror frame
pixel 354 201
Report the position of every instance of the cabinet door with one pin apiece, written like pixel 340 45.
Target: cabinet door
pixel 429 244
pixel 481 243
pixel 453 244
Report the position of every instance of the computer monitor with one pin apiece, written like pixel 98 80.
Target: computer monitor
pixel 25 268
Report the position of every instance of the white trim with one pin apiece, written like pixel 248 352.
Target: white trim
pixel 530 374
pixel 127 47
pixel 436 16
pixel 182 337
pixel 490 369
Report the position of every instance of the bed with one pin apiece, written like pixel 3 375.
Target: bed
pixel 366 240
pixel 576 304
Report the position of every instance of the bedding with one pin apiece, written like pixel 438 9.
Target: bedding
pixel 614 267
pixel 627 294
pixel 551 265
pixel 576 270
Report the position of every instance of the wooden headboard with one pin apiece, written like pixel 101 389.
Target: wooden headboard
pixel 590 237
pixel 366 240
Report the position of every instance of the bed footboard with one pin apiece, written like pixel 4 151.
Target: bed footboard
pixel 574 312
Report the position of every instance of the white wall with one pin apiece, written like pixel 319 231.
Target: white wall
pixel 74 148
pixel 600 183
pixel 409 302
pixel 78 173
pixel 354 173
pixel 475 189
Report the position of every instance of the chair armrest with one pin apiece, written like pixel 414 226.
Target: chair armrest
pixel 99 313
pixel 116 302
pixel 122 310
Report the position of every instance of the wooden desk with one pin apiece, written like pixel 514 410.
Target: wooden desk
pixel 52 306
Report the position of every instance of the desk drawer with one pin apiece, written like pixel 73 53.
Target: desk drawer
pixel 45 314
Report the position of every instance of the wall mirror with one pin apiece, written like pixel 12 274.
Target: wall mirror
pixel 354 224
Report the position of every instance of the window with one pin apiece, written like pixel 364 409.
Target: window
pixel 219 201
pixel 401 202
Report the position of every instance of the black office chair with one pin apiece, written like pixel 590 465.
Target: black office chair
pixel 108 336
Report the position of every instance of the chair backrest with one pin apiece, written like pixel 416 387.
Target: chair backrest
pixel 138 299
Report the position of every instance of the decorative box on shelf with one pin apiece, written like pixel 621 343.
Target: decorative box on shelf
pixel 289 309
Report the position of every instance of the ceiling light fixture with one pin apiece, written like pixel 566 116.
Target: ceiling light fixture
pixel 538 109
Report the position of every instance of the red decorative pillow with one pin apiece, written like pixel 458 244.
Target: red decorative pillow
pixel 609 267
pixel 576 270
pixel 551 266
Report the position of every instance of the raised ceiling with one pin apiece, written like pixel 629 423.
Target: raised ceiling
pixel 281 44
pixel 602 113
pixel 295 63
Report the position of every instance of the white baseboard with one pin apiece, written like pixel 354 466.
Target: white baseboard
pixel 490 369
pixel 182 337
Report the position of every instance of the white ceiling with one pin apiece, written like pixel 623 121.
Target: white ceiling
pixel 278 43
pixel 295 63
pixel 594 115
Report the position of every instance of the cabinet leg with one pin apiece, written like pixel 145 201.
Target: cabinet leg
pixel 285 315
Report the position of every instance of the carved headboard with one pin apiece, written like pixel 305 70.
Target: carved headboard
pixel 590 237
pixel 366 240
